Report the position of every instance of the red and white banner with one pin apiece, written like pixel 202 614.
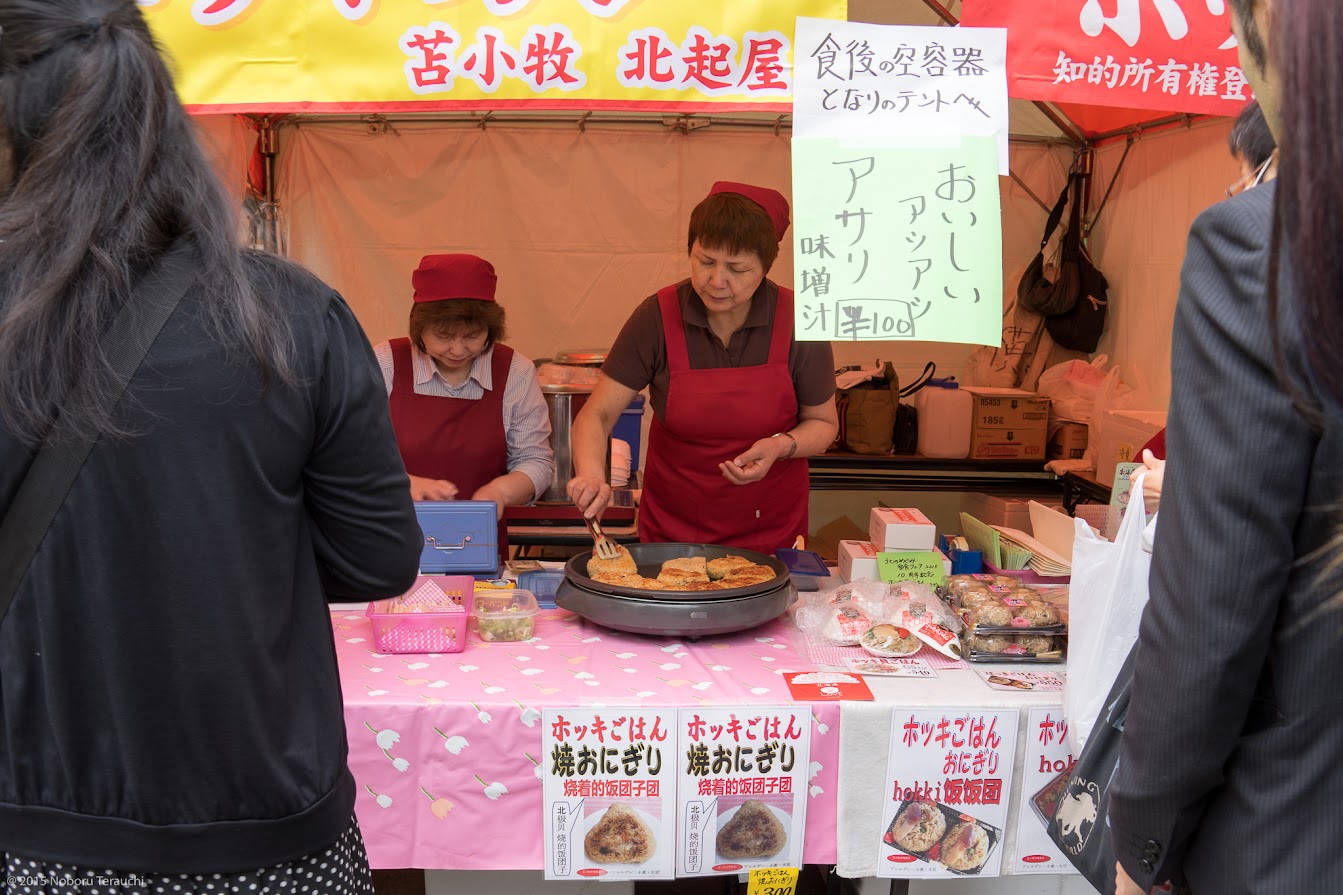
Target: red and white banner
pixel 1169 55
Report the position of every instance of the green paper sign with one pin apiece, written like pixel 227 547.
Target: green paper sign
pixel 923 566
pixel 897 242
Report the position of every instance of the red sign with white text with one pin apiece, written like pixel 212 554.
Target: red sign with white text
pixel 1169 55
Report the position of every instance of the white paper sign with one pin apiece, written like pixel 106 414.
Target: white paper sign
pixel 890 667
pixel 853 79
pixel 743 788
pixel 1047 756
pixel 609 778
pixel 949 781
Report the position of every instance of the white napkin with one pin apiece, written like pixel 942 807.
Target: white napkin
pixel 864 743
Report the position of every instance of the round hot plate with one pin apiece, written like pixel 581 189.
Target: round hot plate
pixel 676 613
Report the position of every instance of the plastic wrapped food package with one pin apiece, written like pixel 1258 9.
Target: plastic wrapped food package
pixel 843 615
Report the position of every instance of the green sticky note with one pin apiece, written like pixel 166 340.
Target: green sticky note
pixel 897 240
pixel 924 566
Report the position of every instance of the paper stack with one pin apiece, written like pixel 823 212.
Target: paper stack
pixel 1050 548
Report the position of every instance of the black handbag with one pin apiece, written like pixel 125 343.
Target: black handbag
pixel 1074 305
pixel 1079 826
pixel 56 466
pixel 1036 292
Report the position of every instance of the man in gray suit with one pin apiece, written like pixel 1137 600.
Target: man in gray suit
pixel 1230 777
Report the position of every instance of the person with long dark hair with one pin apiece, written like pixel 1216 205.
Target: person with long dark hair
pixel 1228 778
pixel 170 707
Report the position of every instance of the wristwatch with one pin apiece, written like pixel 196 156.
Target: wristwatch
pixel 792 448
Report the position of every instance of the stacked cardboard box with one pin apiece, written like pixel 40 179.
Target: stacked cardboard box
pixel 1008 424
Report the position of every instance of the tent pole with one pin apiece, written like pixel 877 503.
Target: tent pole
pixel 267 141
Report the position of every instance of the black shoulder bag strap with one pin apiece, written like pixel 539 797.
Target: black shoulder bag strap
pixel 61 456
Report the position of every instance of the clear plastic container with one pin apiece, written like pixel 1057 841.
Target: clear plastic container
pixel 505 615
pixel 945 416
pixel 542 583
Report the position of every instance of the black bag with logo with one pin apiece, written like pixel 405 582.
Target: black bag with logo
pixel 1074 304
pixel 1079 826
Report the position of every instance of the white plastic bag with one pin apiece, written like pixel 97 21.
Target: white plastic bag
pixel 1071 388
pixel 1107 596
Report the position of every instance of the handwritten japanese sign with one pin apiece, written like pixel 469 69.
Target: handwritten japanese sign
pixel 743 798
pixel 1171 55
pixel 1047 756
pixel 949 781
pixel 924 566
pixel 897 243
pixel 610 792
pixel 405 55
pixel 893 81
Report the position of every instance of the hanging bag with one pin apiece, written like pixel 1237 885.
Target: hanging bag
pixel 1079 325
pixel 870 410
pixel 1036 292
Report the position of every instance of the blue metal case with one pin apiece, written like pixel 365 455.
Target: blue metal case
pixel 459 536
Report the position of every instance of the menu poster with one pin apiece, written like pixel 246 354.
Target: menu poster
pixel 1048 760
pixel 743 788
pixel 610 793
pixel 949 779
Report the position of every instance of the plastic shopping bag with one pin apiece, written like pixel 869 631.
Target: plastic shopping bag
pixel 1107 596
pixel 1071 387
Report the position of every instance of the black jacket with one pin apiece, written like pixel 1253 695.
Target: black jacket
pixel 169 698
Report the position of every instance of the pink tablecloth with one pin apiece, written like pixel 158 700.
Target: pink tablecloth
pixel 445 746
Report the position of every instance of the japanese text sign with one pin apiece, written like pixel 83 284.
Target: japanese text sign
pixel 1171 55
pixel 948 782
pixel 924 566
pixel 896 81
pixel 897 243
pixel 609 780
pixel 416 55
pixel 743 790
pixel 1047 756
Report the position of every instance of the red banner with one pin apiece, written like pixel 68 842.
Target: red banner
pixel 1168 55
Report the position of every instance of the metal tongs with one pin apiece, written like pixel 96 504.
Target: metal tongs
pixel 604 547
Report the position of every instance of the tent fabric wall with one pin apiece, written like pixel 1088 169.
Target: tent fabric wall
pixel 227 141
pixel 581 226
pixel 1139 242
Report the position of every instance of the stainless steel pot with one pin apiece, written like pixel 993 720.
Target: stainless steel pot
pixel 676 613
pixel 563 402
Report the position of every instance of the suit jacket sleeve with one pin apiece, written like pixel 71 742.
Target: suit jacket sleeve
pixel 1237 476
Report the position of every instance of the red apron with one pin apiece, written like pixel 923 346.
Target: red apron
pixel 712 416
pixel 454 439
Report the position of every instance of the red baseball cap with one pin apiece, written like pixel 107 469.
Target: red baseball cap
pixel 775 205
pixel 441 277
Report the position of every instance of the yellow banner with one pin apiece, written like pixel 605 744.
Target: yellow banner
pixel 420 55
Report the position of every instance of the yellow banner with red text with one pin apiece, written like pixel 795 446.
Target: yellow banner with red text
pixel 424 55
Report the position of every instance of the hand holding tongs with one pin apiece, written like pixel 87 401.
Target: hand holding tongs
pixel 604 547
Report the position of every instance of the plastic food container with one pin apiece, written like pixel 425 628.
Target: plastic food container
pixel 805 566
pixel 542 583
pixel 506 615
pixel 429 618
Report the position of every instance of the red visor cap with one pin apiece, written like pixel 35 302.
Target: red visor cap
pixel 441 277
pixel 775 205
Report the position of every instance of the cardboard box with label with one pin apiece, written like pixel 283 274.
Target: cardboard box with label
pixel 857 559
pixel 1069 442
pixel 901 529
pixel 1008 424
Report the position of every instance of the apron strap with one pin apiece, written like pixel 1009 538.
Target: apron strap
pixel 782 336
pixel 403 366
pixel 673 329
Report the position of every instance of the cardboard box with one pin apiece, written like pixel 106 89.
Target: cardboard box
pixel 1069 442
pixel 1120 435
pixel 1008 444
pixel 901 529
pixel 857 559
pixel 1007 408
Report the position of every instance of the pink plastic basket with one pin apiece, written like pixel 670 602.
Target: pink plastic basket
pixel 432 616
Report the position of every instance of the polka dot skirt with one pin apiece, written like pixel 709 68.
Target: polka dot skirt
pixel 340 869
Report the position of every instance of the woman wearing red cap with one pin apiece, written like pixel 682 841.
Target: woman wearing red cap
pixel 469 416
pixel 737 403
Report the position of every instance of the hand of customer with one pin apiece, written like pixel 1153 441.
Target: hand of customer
pixel 590 494
pixel 422 488
pixel 1151 486
pixel 1124 884
pixel 754 463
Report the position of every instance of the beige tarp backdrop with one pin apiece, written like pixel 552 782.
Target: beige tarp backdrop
pixel 581 226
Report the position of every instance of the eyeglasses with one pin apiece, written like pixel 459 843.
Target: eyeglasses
pixel 1252 179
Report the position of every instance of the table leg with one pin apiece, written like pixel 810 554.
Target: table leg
pixel 899 887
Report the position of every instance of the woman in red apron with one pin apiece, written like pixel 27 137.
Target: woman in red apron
pixel 737 404
pixel 469 416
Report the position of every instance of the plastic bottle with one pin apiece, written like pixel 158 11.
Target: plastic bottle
pixel 945 414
